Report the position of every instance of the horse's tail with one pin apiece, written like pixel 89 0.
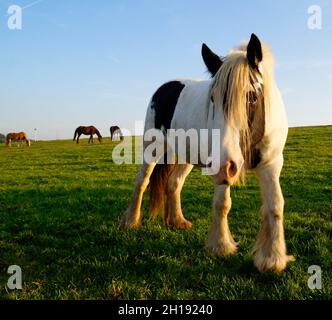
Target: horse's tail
pixel 75 134
pixel 8 139
pixel 157 188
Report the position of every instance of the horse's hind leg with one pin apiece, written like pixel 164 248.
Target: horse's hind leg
pixel 270 248
pixel 220 240
pixel 173 212
pixel 78 138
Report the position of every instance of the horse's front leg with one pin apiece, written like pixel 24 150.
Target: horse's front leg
pixel 270 248
pixel 220 240
pixel 133 216
pixel 173 212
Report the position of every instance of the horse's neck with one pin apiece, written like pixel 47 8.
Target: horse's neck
pixel 193 107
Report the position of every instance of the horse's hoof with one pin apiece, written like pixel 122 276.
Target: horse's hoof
pixel 180 224
pixel 224 249
pixel 274 263
pixel 127 222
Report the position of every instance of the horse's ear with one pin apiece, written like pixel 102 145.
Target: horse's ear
pixel 254 51
pixel 211 60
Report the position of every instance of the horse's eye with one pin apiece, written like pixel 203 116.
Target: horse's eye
pixel 252 97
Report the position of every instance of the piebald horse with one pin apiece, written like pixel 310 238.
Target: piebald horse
pixel 89 131
pixel 243 102
pixel 115 130
pixel 20 136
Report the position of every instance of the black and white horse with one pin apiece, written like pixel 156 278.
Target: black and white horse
pixel 243 102
pixel 116 131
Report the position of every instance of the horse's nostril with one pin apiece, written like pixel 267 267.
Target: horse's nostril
pixel 232 169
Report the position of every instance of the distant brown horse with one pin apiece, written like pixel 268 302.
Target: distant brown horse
pixel 89 131
pixel 17 137
pixel 115 130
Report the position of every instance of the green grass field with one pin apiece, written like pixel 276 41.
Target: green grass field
pixel 60 204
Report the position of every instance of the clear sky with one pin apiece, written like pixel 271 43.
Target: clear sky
pixel 82 62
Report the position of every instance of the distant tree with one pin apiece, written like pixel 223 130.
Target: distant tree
pixel 2 138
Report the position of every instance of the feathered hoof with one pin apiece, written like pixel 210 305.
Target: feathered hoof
pixel 224 249
pixel 128 222
pixel 272 263
pixel 180 224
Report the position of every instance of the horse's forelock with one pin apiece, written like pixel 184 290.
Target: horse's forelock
pixel 231 85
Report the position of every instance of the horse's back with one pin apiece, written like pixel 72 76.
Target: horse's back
pixel 86 129
pixel 192 107
pixel 114 128
pixel 92 129
pixel 15 135
pixel 176 103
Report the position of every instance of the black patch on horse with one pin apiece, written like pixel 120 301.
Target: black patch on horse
pixel 255 158
pixel 164 101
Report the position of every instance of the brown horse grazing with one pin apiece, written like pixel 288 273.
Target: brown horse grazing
pixel 115 130
pixel 17 137
pixel 89 131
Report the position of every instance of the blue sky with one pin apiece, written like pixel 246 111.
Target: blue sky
pixel 82 62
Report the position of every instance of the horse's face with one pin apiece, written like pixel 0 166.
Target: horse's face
pixel 236 94
pixel 28 143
